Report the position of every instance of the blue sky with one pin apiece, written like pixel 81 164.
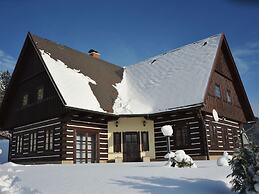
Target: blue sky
pixel 126 32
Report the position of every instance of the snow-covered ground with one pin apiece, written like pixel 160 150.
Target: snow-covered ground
pixel 122 178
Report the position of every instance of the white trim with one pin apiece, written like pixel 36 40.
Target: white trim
pixel 221 150
pixel 187 118
pixel 88 122
pixel 81 126
pixel 193 133
pixel 17 132
pixel 37 123
pixel 48 156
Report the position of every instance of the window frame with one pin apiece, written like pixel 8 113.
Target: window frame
pixel 116 145
pixel 25 99
pixel 40 96
pixel 229 97
pixel 182 136
pixel 217 86
pixel 145 145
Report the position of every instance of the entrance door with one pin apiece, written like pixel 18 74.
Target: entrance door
pixel 85 148
pixel 131 151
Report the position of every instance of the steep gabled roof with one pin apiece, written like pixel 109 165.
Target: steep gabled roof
pixel 83 81
pixel 174 79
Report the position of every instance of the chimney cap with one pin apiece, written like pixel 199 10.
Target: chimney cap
pixel 91 51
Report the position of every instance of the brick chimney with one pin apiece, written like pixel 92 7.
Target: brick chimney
pixel 94 53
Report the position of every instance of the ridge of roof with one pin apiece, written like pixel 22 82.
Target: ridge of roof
pixel 70 48
pixel 174 50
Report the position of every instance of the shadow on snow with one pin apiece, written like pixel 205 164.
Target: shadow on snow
pixel 161 185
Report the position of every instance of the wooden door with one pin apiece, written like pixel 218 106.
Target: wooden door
pixel 131 150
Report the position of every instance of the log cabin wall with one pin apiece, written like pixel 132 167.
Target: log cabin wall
pixel 27 78
pixel 189 133
pixel 37 142
pixel 224 78
pixel 221 136
pixel 90 124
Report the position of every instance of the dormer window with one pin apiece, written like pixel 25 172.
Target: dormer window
pixel 40 93
pixel 25 99
pixel 229 98
pixel 217 91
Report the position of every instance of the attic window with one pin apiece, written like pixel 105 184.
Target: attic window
pixel 229 98
pixel 25 99
pixel 217 91
pixel 40 93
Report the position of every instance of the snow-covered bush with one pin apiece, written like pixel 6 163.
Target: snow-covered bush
pixel 245 166
pixel 224 160
pixel 180 159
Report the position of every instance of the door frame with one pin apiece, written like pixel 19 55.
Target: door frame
pixel 97 142
pixel 138 155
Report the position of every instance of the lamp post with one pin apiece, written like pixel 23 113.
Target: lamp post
pixel 167 131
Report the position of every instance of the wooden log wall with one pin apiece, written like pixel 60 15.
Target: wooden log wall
pixel 188 120
pixel 24 135
pixel 222 135
pixel 88 123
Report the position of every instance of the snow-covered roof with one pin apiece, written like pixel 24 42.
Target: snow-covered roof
pixel 177 78
pixel 73 85
pixel 171 80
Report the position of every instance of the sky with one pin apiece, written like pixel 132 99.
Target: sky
pixel 126 32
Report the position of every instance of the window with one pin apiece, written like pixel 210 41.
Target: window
pixel 117 142
pixel 145 142
pixel 31 142
pixel 229 98
pixel 217 91
pixel 49 139
pixel 181 136
pixel 34 141
pixel 19 144
pixel 40 93
pixel 25 99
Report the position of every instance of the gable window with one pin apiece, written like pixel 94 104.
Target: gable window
pixel 117 142
pixel 25 99
pixel 229 97
pixel 217 91
pixel 145 142
pixel 40 93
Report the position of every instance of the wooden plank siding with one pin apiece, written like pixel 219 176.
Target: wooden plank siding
pixel 40 154
pixel 29 75
pixel 222 136
pixel 226 79
pixel 99 127
pixel 190 120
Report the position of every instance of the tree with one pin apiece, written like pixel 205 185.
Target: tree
pixel 5 77
pixel 245 165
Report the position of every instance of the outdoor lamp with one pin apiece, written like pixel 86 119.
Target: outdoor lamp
pixel 167 131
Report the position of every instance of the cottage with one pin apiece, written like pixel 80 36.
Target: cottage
pixel 65 106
